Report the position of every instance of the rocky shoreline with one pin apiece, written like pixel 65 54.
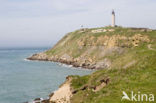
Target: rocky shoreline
pixel 90 58
pixel 66 59
pixel 65 91
pixel 65 87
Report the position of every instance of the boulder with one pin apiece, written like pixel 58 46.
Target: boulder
pixel 45 101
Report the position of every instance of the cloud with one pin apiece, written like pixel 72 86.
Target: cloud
pixel 43 22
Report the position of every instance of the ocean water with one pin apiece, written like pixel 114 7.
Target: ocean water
pixel 22 80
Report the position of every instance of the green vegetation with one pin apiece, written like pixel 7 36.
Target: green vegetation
pixel 132 53
pixel 77 43
pixel 139 77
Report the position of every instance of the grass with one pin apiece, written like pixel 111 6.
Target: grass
pixel 140 76
pixel 69 42
pixel 132 79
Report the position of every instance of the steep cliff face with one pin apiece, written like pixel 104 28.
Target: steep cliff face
pixel 95 48
pixel 63 94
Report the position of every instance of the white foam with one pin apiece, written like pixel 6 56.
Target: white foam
pixel 27 60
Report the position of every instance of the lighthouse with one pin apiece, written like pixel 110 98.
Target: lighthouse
pixel 113 18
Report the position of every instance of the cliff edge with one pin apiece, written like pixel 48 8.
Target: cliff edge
pixel 95 48
pixel 125 59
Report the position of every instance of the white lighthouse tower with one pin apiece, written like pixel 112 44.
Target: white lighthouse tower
pixel 113 18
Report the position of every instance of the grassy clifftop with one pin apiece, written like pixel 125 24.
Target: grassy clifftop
pixel 133 70
pixel 100 48
pixel 129 54
pixel 81 41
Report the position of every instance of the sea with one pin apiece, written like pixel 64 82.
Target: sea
pixel 22 80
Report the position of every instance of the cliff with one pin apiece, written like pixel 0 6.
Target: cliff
pixel 125 59
pixel 96 48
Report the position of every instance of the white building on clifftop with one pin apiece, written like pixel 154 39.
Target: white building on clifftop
pixel 113 18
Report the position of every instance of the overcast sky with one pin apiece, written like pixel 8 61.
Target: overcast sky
pixel 38 23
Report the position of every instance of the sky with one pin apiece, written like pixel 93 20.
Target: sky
pixel 41 23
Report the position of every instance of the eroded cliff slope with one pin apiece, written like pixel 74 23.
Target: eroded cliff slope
pixel 96 48
pixel 129 54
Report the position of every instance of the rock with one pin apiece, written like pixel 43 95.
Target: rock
pixel 103 83
pixel 38 100
pixel 98 30
pixel 64 93
pixel 106 80
pixel 103 64
pixel 39 56
pixel 74 92
pixel 136 39
pixel 66 57
pixel 76 64
pixel 102 30
pixel 90 60
pixel 50 95
pixel 45 101
pixel 99 87
pixel 84 87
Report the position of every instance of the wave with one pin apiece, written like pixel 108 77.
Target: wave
pixel 65 65
pixel 26 59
